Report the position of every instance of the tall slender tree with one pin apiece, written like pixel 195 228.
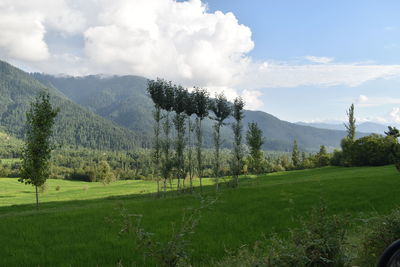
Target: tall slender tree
pixel 155 91
pixel 36 154
pixel 221 109
pixel 237 127
pixel 201 100
pixel 167 159
pixel 349 140
pixel 190 109
pixel 296 155
pixel 181 96
pixel 255 140
pixel 351 125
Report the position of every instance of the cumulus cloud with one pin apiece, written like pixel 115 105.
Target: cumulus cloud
pixel 22 38
pixel 23 25
pixel 179 41
pixel 176 40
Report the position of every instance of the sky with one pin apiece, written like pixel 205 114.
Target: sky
pixel 298 60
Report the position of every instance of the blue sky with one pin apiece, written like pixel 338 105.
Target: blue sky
pixel 348 31
pixel 298 60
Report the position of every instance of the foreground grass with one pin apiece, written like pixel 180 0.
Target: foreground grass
pixel 71 227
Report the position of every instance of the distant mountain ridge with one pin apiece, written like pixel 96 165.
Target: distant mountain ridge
pixel 124 100
pixel 364 127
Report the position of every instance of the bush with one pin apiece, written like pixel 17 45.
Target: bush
pixel 79 175
pixel 380 233
pixel 373 150
pixel 337 158
pixel 58 188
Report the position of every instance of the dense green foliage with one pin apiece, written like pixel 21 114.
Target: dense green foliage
pixel 10 147
pixel 255 140
pixel 78 231
pixel 382 231
pixel 74 126
pixel 373 150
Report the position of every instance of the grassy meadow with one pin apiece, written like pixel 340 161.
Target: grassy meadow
pixel 79 224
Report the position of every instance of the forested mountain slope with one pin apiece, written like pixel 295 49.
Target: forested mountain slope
pixel 123 99
pixel 75 125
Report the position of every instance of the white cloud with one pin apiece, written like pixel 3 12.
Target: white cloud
pixel 176 40
pixel 179 41
pixel 364 101
pixel 23 25
pixel 22 37
pixel 252 99
pixel 322 60
pixel 395 115
pixel 285 75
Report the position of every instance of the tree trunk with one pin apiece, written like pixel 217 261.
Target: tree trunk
pixel 37 197
pixel 158 187
pixel 165 188
pixel 217 159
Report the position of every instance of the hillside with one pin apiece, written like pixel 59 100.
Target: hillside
pixel 268 203
pixel 365 127
pixel 123 100
pixel 10 146
pixel 75 125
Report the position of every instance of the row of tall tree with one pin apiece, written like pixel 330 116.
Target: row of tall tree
pixel 175 108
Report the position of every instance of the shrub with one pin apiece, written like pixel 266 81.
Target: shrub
pixel 380 233
pixel 373 150
pixel 58 188
pixel 337 158
pixel 43 188
pixel 79 175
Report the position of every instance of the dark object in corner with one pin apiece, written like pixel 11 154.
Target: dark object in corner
pixel 391 256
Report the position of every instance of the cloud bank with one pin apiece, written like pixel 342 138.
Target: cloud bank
pixel 179 41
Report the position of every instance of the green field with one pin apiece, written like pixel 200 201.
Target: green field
pixel 72 226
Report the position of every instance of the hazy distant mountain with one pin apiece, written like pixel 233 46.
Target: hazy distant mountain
pixel 365 127
pixel 123 99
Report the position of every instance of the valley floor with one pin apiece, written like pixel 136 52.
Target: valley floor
pixel 79 224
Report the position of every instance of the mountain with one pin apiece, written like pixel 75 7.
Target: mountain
pixel 75 125
pixel 365 127
pixel 123 100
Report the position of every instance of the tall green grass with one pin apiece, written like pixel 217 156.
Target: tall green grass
pixel 79 227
